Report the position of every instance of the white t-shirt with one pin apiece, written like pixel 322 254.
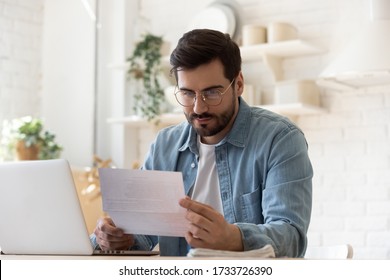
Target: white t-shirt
pixel 206 189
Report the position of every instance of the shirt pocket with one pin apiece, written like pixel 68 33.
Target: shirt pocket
pixel 251 207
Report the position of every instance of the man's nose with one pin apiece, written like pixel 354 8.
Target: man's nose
pixel 200 106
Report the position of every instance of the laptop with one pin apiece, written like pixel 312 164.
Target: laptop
pixel 40 213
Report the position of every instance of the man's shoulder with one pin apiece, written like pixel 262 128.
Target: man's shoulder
pixel 268 118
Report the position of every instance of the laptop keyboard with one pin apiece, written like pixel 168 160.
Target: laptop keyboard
pixel 125 253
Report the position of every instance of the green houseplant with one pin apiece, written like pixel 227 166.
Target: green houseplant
pixel 145 68
pixel 26 139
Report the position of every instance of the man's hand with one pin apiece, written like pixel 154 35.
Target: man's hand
pixel 209 229
pixel 109 237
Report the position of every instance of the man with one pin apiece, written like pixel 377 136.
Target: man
pixel 246 171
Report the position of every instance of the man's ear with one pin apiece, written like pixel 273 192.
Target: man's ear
pixel 239 84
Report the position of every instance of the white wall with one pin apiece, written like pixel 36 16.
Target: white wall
pixel 68 77
pixel 116 34
pixel 21 26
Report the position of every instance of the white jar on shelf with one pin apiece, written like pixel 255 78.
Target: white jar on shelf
pixel 254 34
pixel 281 31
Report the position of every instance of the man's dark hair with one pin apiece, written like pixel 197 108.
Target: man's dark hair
pixel 201 46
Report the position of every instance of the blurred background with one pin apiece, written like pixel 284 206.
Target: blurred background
pixel 65 62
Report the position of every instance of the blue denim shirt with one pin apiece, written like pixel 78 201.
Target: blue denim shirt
pixel 265 178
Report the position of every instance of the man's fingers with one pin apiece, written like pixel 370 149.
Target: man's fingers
pixel 197 207
pixel 114 245
pixel 107 226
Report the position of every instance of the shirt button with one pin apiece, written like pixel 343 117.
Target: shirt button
pixel 192 165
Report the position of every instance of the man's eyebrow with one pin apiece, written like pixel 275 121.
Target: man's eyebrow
pixel 208 88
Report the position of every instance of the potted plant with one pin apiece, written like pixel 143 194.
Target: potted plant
pixel 26 139
pixel 145 69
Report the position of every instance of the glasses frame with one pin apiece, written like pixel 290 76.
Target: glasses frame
pixel 203 97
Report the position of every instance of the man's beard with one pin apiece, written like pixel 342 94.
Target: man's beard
pixel 222 119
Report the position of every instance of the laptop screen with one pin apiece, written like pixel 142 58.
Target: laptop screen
pixel 40 210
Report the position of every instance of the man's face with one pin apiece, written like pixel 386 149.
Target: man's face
pixel 212 123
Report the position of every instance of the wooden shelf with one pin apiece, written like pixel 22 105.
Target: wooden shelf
pixel 137 121
pixel 279 49
pixel 273 54
pixel 293 109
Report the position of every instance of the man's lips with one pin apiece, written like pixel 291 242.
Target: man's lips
pixel 201 118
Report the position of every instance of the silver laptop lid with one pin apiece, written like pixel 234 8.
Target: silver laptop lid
pixel 39 210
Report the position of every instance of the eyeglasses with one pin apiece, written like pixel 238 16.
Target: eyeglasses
pixel 212 97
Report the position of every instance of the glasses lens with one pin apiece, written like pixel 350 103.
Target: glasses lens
pixel 185 98
pixel 212 97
